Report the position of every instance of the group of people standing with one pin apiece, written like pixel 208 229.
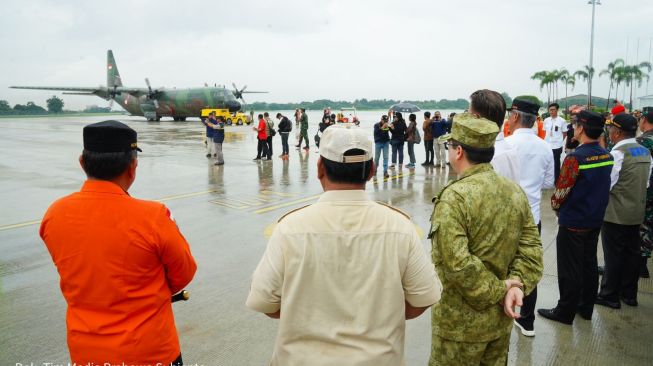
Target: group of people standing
pixel 344 274
pixel 598 191
pixel 265 133
pixel 393 135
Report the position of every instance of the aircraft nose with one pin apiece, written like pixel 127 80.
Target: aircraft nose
pixel 233 106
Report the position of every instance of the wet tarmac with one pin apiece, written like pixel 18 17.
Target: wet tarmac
pixel 224 212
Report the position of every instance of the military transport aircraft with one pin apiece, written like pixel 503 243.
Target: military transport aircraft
pixel 156 103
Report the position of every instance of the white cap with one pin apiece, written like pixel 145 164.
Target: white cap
pixel 338 139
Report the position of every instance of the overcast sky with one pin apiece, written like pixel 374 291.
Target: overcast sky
pixel 305 50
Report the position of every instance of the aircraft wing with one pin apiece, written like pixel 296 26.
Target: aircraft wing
pixel 62 88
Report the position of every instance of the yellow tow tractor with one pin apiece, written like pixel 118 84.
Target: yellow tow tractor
pixel 237 118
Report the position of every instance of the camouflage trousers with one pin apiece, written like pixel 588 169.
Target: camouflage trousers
pixel 445 352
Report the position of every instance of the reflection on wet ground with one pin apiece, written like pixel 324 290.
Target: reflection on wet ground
pixel 224 212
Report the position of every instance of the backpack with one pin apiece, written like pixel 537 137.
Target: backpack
pixel 272 131
pixel 416 136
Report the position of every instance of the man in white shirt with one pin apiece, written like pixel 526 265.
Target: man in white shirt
pixel 490 104
pixel 345 273
pixel 536 173
pixel 556 133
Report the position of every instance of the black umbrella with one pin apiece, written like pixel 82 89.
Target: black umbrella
pixel 405 108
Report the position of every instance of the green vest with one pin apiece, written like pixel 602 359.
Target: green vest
pixel 628 196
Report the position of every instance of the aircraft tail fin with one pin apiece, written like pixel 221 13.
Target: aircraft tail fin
pixel 113 76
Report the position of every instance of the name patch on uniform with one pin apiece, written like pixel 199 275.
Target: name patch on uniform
pixel 638 151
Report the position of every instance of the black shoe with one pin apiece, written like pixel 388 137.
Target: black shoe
pixel 583 314
pixel 630 302
pixel 208 155
pixel 527 330
pixel 256 158
pixel 425 163
pixel 553 314
pixel 215 155
pixel 601 270
pixel 219 163
pixel 605 302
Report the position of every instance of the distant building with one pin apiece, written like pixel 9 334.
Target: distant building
pixel 645 101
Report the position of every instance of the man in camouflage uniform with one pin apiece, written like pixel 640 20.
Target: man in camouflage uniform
pixel 646 230
pixel 303 120
pixel 486 250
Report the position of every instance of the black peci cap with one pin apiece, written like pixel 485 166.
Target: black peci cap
pixel 624 121
pixel 591 119
pixel 525 106
pixel 109 136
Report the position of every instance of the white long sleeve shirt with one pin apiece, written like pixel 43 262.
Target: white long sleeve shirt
pixel 506 159
pixel 536 166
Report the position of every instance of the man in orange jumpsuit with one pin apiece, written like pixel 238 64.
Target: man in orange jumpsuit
pixel 119 258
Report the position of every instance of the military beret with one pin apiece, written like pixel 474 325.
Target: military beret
pixel 649 116
pixel 109 136
pixel 472 131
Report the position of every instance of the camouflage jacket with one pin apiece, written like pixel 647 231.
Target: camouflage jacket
pixel 482 233
pixel 646 229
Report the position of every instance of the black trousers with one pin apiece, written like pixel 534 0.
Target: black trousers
pixel 428 147
pixel 527 311
pixel 621 251
pixel 578 275
pixel 556 163
pixel 284 143
pixel 262 149
pixel 269 141
pixel 177 361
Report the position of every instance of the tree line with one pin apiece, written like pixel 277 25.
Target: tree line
pixel 617 71
pixel 54 105
pixel 362 104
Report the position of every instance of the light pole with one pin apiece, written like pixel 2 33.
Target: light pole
pixel 591 70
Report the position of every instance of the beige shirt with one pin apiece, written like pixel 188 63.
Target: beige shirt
pixel 340 271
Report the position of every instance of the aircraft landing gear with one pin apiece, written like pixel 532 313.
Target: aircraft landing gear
pixel 179 119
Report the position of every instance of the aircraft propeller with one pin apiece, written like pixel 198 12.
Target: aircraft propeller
pixel 239 93
pixel 151 94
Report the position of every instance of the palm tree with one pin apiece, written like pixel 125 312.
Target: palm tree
pixel 619 77
pixel 568 79
pixel 556 76
pixel 586 74
pixel 612 71
pixel 545 80
pixel 581 75
pixel 635 73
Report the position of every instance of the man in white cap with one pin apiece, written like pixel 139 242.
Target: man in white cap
pixel 345 273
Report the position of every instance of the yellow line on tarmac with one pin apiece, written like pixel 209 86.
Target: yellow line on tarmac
pixel 22 224
pixel 170 198
pixel 272 208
